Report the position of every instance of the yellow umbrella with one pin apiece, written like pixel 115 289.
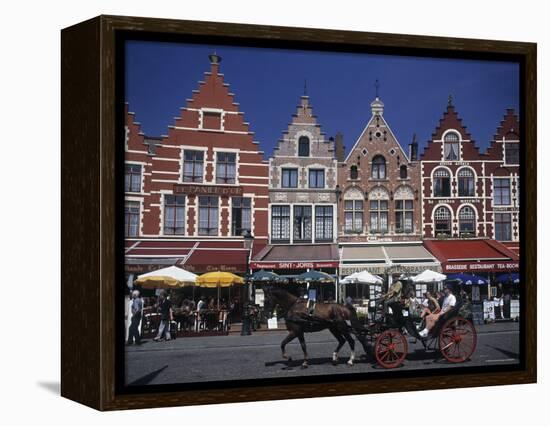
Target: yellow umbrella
pixel 218 279
pixel 171 277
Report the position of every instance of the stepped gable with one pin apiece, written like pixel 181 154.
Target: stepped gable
pixel 303 118
pixel 508 130
pixel 135 139
pixel 213 96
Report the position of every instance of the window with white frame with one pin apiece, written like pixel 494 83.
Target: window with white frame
pixel 379 216
pixel 174 214
pixel 353 215
pixel 467 221
pixel 241 215
pixel 503 226
pixel 316 178
pixel 226 167
pixel 208 215
pixel 451 147
pixel 466 183
pixel 302 223
pixel 404 216
pixel 193 165
pixel 280 223
pixel 303 146
pixel 442 183
pixel 442 218
pixel 289 178
pixel 378 167
pixel 131 218
pixel 501 191
pixel 323 223
pixel 511 153
pixel 132 178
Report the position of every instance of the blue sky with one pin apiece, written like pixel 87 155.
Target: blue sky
pixel 269 82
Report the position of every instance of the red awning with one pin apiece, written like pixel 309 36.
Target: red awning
pixel 300 256
pixel 194 256
pixel 473 255
pixel 514 246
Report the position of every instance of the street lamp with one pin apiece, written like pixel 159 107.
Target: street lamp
pixel 248 239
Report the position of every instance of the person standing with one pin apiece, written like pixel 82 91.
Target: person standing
pixel 137 310
pixel 165 308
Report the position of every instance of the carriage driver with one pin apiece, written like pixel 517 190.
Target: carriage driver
pixel 392 299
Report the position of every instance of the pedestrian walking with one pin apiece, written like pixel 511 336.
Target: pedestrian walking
pixel 165 308
pixel 137 309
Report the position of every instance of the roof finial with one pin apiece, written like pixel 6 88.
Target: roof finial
pixel 377 87
pixel 450 100
pixel 214 58
pixel 305 87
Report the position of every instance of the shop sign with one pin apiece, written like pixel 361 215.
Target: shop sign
pixel 190 189
pixel 214 267
pixel 480 266
pixel 293 265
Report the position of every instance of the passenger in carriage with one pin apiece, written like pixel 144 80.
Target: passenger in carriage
pixel 431 305
pixel 448 303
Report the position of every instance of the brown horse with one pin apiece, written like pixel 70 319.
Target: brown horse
pixel 340 320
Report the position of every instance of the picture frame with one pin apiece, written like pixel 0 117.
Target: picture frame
pixel 91 205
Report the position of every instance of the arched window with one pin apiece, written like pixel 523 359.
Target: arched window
pixel 451 149
pixel 466 184
pixel 379 167
pixel 467 221
pixel 353 172
pixel 442 218
pixel 303 146
pixel 442 183
pixel 403 172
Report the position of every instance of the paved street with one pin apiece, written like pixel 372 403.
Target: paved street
pixel 235 357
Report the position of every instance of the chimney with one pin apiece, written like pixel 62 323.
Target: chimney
pixel 339 148
pixel 413 149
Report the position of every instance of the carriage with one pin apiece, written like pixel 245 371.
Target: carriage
pixel 453 335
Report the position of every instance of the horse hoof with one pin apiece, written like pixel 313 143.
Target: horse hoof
pixel 350 363
pixel 304 366
pixel 334 362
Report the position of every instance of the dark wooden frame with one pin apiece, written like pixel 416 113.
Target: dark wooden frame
pixel 89 201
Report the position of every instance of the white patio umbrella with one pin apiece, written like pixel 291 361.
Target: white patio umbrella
pixel 429 276
pixel 363 277
pixel 171 277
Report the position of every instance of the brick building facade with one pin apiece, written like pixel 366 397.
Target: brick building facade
pixel 379 198
pixel 468 194
pixel 203 185
pixel 302 182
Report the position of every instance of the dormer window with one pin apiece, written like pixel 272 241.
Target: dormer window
pixel 303 146
pixel 211 120
pixel 451 148
pixel 379 167
pixel 511 153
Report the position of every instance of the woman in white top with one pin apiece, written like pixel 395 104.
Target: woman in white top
pixel 448 303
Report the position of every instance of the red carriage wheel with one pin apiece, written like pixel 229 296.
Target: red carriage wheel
pixel 457 339
pixel 390 349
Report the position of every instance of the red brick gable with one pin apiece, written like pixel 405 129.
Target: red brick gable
pixel 507 130
pixel 509 126
pixel 135 138
pixel 213 93
pixel 450 120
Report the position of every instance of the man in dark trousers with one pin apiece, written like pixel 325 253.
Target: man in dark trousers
pixel 165 308
pixel 137 309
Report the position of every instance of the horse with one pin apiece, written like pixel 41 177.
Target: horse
pixel 340 320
